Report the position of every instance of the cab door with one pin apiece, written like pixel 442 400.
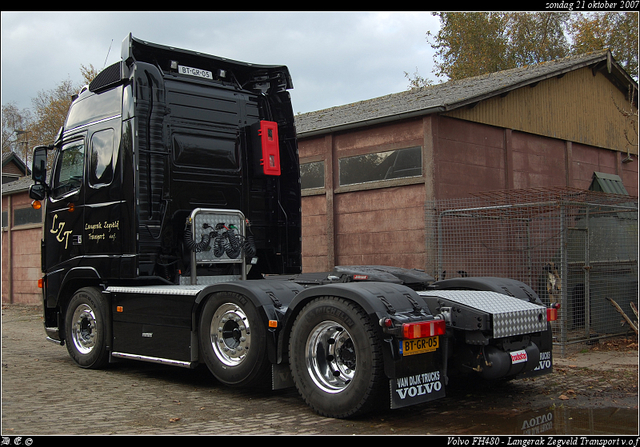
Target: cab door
pixel 103 199
pixel 84 213
pixel 64 220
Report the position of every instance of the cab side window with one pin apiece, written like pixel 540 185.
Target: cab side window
pixel 101 158
pixel 68 173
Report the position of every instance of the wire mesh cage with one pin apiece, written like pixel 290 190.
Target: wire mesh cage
pixel 574 247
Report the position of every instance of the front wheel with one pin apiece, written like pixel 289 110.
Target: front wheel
pixel 336 359
pixel 87 329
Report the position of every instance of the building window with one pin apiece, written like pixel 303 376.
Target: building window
pixel 381 166
pixel 26 216
pixel 312 175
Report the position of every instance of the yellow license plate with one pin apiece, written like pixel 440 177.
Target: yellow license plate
pixel 419 345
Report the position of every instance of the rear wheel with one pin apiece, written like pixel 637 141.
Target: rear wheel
pixel 336 359
pixel 87 329
pixel 232 340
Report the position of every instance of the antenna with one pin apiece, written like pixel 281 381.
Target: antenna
pixel 109 51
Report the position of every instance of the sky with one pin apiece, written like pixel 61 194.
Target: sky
pixel 334 58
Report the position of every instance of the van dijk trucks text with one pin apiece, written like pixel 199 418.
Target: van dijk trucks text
pixel 172 234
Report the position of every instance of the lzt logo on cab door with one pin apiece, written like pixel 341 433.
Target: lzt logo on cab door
pixel 61 235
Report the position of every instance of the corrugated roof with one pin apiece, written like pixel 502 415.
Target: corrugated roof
pixel 449 95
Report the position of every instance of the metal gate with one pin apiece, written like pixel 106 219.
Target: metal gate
pixel 575 247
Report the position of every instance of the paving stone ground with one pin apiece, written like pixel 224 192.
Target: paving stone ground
pixel 44 393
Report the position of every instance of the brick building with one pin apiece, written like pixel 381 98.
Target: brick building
pixel 369 167
pixel 21 235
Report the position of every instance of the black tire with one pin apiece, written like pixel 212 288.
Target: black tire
pixel 336 359
pixel 87 328
pixel 232 340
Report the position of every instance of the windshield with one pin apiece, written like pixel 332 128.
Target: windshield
pixel 94 107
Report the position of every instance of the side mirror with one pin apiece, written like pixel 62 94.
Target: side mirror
pixel 39 167
pixel 37 191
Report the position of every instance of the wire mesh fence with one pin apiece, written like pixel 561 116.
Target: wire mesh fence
pixel 573 247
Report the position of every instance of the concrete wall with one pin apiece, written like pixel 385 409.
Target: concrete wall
pixel 20 256
pixel 468 157
pixel 384 223
pixel 315 241
pixel 380 223
pixel 380 226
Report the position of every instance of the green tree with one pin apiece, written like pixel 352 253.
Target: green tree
pixel 469 44
pixel 535 37
pixel 475 43
pixel 617 31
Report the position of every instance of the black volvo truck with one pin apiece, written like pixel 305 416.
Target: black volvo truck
pixel 172 234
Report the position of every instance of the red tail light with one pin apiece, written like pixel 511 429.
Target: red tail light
pixel 424 329
pixel 552 312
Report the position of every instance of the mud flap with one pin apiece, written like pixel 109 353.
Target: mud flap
pixel 281 377
pixel 416 389
pixel 545 366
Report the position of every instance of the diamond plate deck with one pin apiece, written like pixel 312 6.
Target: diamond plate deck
pixel 159 290
pixel 510 316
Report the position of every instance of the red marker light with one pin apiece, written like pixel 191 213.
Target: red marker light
pixel 424 329
pixel 552 312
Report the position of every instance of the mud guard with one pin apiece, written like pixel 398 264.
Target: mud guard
pixel 412 379
pixel 270 298
pixel 378 299
pixel 506 286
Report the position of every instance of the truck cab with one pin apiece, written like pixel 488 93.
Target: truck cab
pixel 153 137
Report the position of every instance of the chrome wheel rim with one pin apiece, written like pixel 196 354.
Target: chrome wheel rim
pixel 330 357
pixel 84 329
pixel 230 334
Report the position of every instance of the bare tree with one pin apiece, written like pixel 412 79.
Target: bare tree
pixel 24 129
